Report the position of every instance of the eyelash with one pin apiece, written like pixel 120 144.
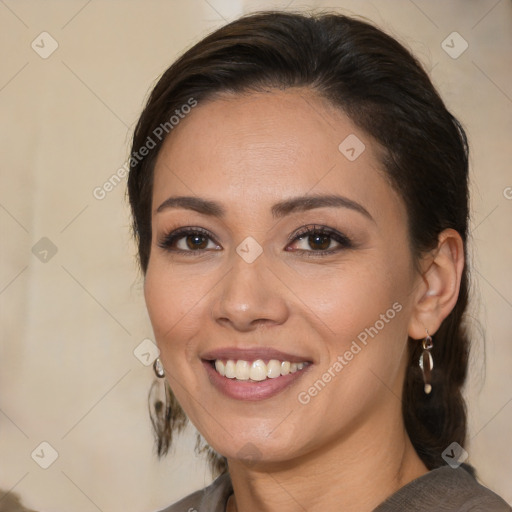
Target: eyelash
pixel 169 239
pixel 343 240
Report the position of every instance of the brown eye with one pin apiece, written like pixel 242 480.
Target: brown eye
pixel 196 242
pixel 188 240
pixel 319 240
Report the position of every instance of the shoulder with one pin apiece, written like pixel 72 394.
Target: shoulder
pixel 210 499
pixel 445 489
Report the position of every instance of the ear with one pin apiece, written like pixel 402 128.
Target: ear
pixel 438 288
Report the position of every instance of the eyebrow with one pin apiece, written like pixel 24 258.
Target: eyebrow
pixel 278 210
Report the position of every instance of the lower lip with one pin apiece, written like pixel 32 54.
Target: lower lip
pixel 248 389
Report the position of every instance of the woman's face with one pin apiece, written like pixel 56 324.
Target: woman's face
pixel 248 284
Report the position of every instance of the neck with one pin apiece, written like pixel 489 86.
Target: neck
pixel 354 472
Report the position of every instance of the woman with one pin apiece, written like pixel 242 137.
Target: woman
pixel 299 198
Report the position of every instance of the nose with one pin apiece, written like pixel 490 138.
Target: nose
pixel 250 295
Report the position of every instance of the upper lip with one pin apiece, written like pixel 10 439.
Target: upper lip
pixel 251 354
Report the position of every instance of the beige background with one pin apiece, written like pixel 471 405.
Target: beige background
pixel 70 324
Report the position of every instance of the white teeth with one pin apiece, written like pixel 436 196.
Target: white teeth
pixel 257 370
pixel 273 369
pixel 219 366
pixel 230 369
pixel 242 369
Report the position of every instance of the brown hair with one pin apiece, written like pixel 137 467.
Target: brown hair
pixel 386 92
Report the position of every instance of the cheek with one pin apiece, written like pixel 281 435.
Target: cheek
pixel 367 316
pixel 350 297
pixel 172 299
pixel 362 317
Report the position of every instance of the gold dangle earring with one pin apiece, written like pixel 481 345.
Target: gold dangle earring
pixel 166 414
pixel 426 363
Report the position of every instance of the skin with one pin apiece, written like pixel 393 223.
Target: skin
pixel 248 152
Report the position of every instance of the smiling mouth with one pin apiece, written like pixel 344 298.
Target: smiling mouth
pixel 257 370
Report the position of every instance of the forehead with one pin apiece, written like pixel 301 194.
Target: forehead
pixel 260 147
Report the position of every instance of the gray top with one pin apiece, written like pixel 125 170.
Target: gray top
pixel 441 490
